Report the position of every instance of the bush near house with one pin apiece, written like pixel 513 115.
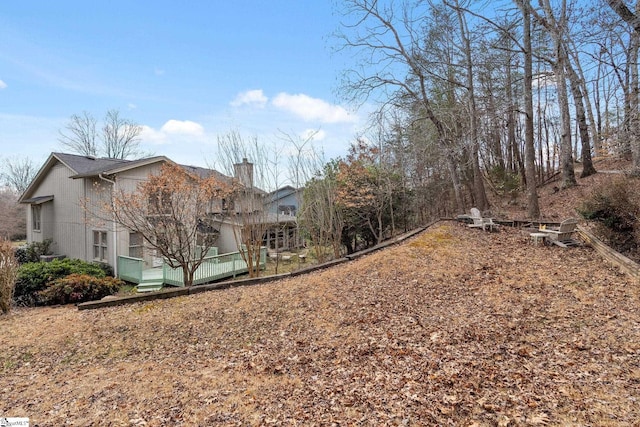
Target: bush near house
pixel 34 277
pixel 77 288
pixel 33 251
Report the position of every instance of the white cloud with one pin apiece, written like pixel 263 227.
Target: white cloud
pixel 184 127
pixel 173 131
pixel 310 109
pixel 132 106
pixel 250 97
pixel 3 85
pixel 152 136
pixel 158 71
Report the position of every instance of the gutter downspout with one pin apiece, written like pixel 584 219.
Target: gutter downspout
pixel 113 223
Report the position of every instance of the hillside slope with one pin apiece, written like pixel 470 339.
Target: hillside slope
pixel 454 327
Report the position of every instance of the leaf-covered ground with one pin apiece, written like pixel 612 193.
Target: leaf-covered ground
pixel 453 327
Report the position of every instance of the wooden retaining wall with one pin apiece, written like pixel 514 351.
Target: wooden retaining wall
pixel 625 264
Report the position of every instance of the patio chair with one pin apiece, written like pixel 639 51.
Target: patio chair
pixel 480 222
pixel 563 235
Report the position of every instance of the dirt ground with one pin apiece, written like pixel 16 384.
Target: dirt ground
pixel 453 327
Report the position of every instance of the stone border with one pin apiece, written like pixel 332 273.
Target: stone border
pixel 625 264
pixel 176 292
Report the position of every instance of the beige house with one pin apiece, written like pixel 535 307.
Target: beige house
pixel 67 183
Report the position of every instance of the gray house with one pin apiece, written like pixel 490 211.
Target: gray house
pixel 67 182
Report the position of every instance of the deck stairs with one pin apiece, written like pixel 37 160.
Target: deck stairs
pixel 151 280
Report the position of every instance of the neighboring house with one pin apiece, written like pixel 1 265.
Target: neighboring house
pixel 67 182
pixel 282 206
pixel 284 201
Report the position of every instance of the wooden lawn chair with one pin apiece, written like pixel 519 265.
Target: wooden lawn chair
pixel 480 222
pixel 562 236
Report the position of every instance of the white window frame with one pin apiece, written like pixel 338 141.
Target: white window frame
pixel 36 217
pixel 136 246
pixel 100 245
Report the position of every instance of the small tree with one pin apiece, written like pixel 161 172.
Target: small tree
pixel 8 272
pixel 173 212
pixel 320 219
pixel 255 166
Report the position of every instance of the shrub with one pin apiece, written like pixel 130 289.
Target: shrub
pixel 35 276
pixel 33 251
pixel 21 255
pixel 8 271
pixel 77 288
pixel 106 268
pixel 616 209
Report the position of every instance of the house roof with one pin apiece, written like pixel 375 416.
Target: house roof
pixel 84 164
pixel 38 200
pixel 282 192
pixel 88 166
pixel 112 166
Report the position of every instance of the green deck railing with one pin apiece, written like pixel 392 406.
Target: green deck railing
pixel 212 268
pixel 130 269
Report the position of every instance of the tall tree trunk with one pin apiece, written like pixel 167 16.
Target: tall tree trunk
pixel 480 194
pixel 634 119
pixel 455 181
pixel 533 209
pixel 556 30
pixel 566 150
pixel 583 129
pixel 511 122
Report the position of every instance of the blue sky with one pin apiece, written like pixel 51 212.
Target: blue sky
pixel 186 71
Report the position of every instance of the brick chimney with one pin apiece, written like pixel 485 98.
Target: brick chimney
pixel 244 173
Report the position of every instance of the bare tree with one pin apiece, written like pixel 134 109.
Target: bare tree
pixel 118 137
pixel 170 211
pixel 254 165
pixel 387 42
pixel 478 184
pixel 320 218
pixel 80 135
pixel 17 173
pixel 632 103
pixel 13 224
pixel 532 192
pixel 556 24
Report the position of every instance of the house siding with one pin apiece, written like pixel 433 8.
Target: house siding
pixel 128 181
pixel 99 193
pixel 62 219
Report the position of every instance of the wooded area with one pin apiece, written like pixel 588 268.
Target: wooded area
pixel 474 101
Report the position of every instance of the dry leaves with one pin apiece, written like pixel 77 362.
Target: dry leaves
pixel 455 327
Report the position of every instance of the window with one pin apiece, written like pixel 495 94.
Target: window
pixel 135 245
pixel 100 245
pixel 36 212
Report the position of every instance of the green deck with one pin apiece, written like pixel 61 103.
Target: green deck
pixel 212 268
